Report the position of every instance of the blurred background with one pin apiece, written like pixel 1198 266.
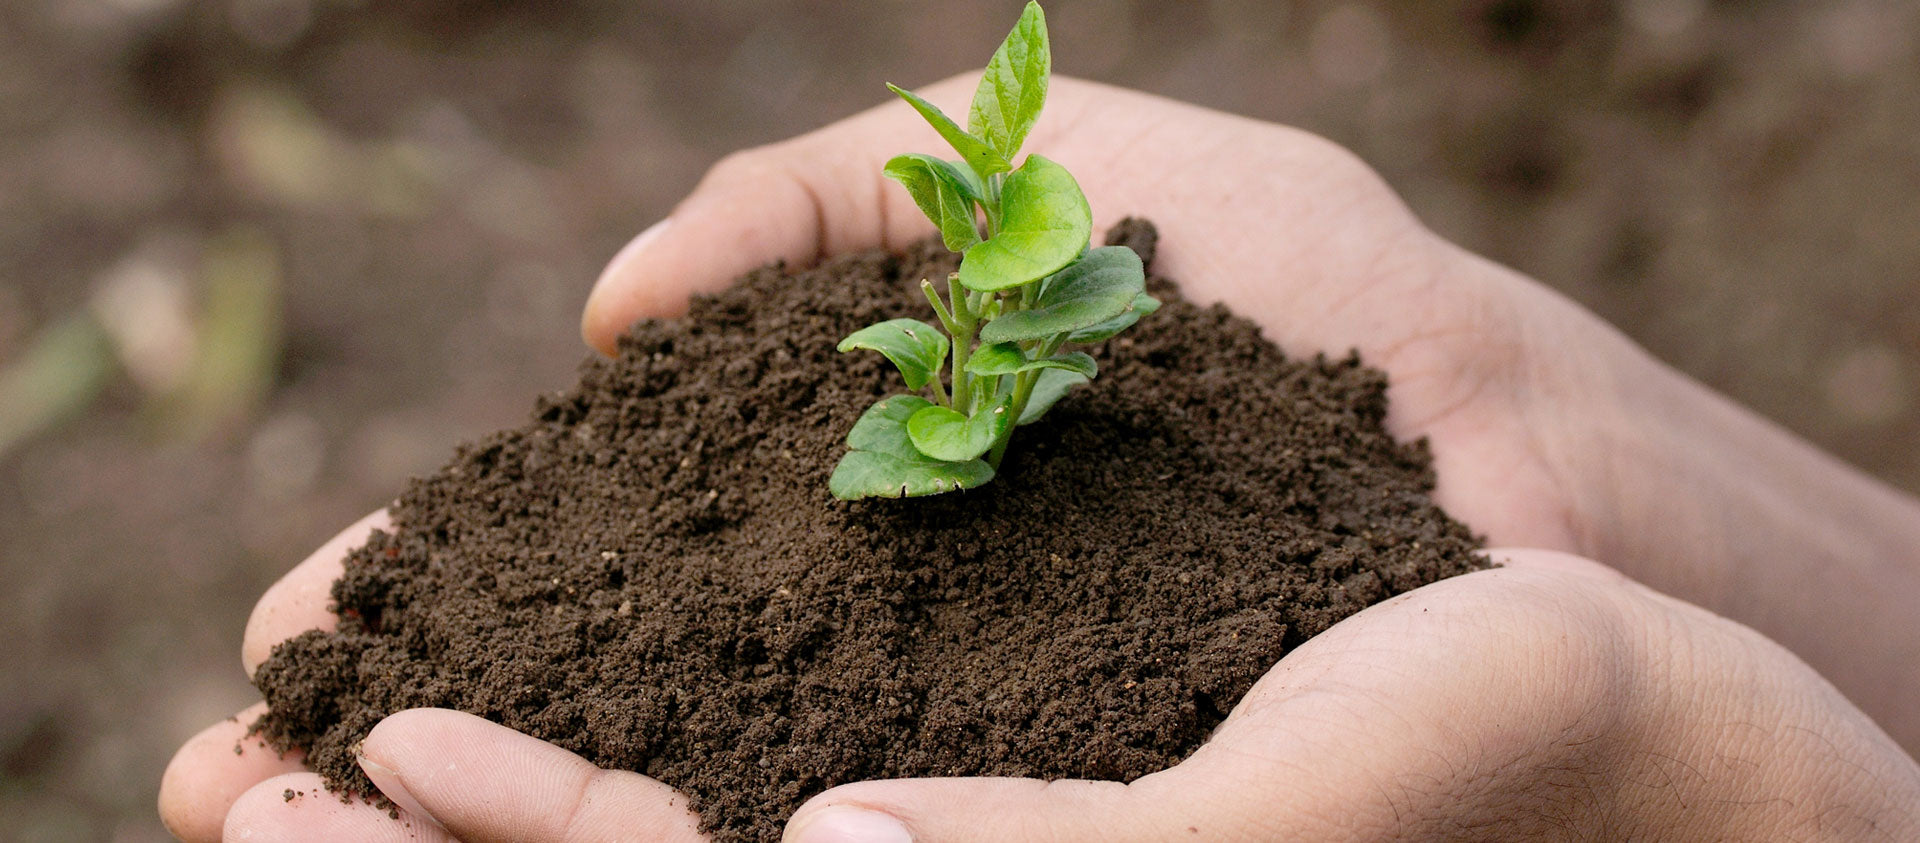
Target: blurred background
pixel 263 260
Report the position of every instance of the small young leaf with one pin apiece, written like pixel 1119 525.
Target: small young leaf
pixel 1077 362
pixel 945 434
pixel 1006 358
pixel 871 474
pixel 883 427
pixel 884 463
pixel 1143 305
pixel 1044 225
pixel 1014 87
pixel 915 347
pixel 980 155
pixel 1053 384
pixel 1001 358
pixel 942 194
pixel 1088 292
pixel 976 189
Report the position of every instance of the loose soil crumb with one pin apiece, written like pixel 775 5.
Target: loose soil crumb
pixel 651 573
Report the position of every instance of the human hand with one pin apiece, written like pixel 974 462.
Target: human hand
pixel 1548 428
pixel 1522 394
pixel 1548 697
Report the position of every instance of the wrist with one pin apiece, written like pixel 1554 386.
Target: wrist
pixel 1700 498
pixel 1735 738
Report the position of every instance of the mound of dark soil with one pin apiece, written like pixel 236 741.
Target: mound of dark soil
pixel 651 573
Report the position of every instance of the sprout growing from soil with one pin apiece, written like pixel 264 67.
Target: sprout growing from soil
pixel 1028 286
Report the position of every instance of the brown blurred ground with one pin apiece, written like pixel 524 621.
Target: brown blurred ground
pixel 353 233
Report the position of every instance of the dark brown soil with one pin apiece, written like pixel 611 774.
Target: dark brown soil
pixel 652 574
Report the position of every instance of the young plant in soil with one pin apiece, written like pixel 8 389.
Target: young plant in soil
pixel 644 574
pixel 1028 286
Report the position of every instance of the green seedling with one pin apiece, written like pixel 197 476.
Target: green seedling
pixel 1028 287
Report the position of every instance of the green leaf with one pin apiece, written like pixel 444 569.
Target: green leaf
pixel 1002 358
pixel 945 434
pixel 1088 292
pixel 1014 87
pixel 1044 225
pixel 976 189
pixel 915 347
pixel 1053 384
pixel 883 427
pixel 942 194
pixel 980 155
pixel 1006 358
pixel 1143 305
pixel 1078 362
pixel 885 464
pixel 871 474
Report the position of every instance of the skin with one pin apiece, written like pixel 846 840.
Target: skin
pixel 1553 697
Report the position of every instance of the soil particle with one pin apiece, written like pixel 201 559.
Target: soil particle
pixel 651 573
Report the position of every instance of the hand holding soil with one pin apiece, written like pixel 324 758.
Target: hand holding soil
pixel 1547 694
pixel 1548 428
pixel 1548 689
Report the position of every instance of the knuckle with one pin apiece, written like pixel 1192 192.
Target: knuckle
pixel 578 820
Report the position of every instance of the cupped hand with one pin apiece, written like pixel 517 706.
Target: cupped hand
pixel 1550 697
pixel 1548 428
pixel 1547 692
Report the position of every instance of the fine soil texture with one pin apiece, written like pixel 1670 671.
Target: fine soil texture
pixel 652 574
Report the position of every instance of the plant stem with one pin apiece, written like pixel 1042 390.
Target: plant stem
pixel 940 391
pixel 992 203
pixel 965 320
pixel 1022 390
pixel 940 310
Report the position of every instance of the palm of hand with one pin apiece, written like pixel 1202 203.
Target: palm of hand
pixel 1389 720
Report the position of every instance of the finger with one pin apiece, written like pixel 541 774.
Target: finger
pixel 1556 562
pixel 1368 730
pixel 483 781
pixel 298 602
pixel 795 201
pixel 1011 810
pixel 297 806
pixel 211 770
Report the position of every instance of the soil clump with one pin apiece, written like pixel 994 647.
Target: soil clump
pixel 651 573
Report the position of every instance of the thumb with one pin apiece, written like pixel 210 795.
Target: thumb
pixel 995 809
pixel 1217 794
pixel 795 201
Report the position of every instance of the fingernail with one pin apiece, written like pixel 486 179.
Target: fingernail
pixel 841 824
pixel 391 787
